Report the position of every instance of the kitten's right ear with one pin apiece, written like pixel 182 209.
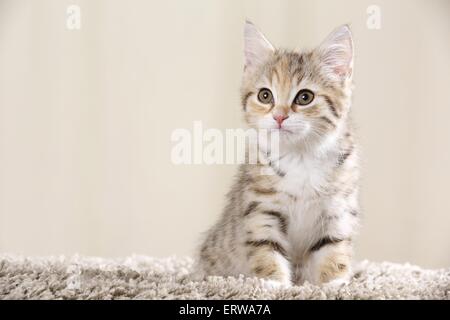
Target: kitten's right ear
pixel 256 47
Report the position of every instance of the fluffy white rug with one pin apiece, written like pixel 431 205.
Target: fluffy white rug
pixel 139 277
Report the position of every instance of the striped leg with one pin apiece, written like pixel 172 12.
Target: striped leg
pixel 328 260
pixel 266 244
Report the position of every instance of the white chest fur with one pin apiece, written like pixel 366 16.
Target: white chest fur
pixel 305 178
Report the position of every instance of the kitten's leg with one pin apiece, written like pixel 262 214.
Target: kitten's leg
pixel 329 260
pixel 266 245
pixel 215 256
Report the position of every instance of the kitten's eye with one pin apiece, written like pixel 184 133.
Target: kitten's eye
pixel 265 96
pixel 304 97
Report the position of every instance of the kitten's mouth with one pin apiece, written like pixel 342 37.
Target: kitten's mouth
pixel 284 130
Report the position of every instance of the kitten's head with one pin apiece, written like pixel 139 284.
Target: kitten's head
pixel 302 96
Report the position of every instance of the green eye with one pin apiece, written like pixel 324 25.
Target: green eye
pixel 304 97
pixel 265 96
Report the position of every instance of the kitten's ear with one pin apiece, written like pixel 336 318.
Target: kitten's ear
pixel 336 53
pixel 256 47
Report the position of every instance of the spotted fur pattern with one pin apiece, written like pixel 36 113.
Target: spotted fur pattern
pixel 293 217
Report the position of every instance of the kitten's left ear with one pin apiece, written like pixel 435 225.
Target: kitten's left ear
pixel 336 53
pixel 256 46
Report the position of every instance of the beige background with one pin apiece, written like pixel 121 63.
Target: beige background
pixel 86 119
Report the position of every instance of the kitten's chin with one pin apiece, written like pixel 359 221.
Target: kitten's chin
pixel 286 138
pixel 285 131
pixel 297 141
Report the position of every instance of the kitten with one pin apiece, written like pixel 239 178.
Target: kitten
pixel 296 224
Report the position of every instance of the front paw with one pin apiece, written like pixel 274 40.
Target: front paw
pixel 338 282
pixel 270 284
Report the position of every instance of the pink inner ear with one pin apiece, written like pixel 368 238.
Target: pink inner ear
pixel 256 47
pixel 342 61
pixel 337 52
pixel 342 70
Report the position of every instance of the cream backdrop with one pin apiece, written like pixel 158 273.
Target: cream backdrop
pixel 87 116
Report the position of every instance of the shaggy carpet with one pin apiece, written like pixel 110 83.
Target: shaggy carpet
pixel 139 277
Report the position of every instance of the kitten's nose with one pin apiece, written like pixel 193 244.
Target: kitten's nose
pixel 279 118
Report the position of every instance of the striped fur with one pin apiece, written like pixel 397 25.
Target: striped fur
pixel 297 223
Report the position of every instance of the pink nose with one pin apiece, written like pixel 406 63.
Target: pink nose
pixel 279 118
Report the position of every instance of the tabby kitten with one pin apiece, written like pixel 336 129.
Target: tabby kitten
pixel 296 223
